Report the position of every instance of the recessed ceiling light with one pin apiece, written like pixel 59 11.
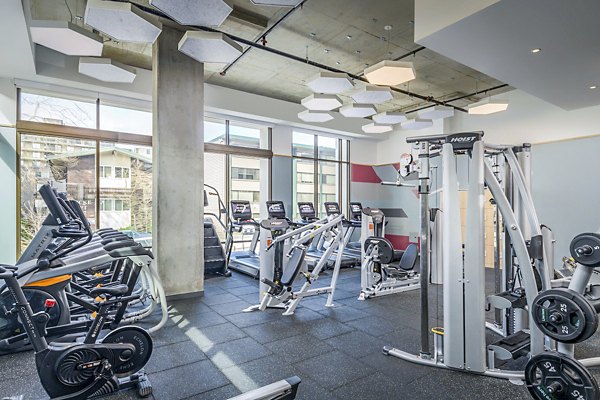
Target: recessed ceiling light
pixel 536 50
pixel 593 87
pixel 326 50
pixel 338 63
pixel 348 37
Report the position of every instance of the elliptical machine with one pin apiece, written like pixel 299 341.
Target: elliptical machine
pixel 90 369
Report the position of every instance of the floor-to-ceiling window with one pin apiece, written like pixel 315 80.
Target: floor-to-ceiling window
pixel 98 152
pixel 319 170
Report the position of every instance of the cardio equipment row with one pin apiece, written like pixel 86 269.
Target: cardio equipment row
pixel 242 221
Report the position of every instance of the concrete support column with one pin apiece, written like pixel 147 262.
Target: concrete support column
pixel 8 171
pixel 178 166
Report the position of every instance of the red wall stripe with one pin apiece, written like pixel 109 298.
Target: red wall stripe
pixel 364 173
pixel 400 242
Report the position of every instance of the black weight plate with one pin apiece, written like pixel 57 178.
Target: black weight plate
pixel 586 239
pixel 142 342
pixel 555 376
pixel 577 318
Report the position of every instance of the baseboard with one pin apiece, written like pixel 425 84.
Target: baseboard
pixel 184 296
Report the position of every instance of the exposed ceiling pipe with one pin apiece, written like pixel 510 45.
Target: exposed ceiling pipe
pixel 289 56
pixel 494 88
pixel 263 36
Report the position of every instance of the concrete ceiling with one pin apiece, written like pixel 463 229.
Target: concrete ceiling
pixel 499 38
pixel 319 30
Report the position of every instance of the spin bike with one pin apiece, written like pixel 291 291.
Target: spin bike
pixel 89 369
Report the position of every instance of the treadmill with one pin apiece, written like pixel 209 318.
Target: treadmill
pixel 354 222
pixel 333 208
pixel 316 250
pixel 244 261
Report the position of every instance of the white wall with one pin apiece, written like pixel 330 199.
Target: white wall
pixel 390 150
pixel 8 166
pixel 529 119
pixel 434 15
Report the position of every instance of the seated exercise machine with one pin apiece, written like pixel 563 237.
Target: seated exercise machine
pixel 245 261
pixel 385 270
pixel 538 313
pixel 318 246
pixel 280 268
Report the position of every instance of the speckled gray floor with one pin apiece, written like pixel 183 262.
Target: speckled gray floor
pixel 211 350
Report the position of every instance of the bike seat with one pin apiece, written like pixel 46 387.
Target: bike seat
pixel 115 290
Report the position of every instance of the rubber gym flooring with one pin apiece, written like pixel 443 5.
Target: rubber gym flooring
pixel 209 349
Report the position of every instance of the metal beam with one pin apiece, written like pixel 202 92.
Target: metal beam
pixel 429 99
pixel 263 36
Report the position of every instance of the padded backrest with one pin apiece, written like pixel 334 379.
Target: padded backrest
pixel 293 266
pixel 409 258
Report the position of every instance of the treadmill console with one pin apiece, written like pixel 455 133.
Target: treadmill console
pixel 355 211
pixel 276 210
pixel 241 210
pixel 332 208
pixel 307 211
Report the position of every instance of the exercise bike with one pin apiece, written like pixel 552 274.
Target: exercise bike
pixel 94 367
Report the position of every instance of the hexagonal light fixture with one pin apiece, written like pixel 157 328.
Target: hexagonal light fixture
pixel 322 102
pixel 358 110
pixel 209 47
pixel 66 37
pixel 315 116
pixel 277 3
pixel 330 83
pixel 194 12
pixel 390 118
pixel 390 73
pixel 436 112
pixel 376 128
pixel 417 123
pixel 106 70
pixel 487 106
pixel 121 21
pixel 373 95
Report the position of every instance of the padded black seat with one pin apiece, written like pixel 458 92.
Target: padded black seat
pixel 409 258
pixel 114 290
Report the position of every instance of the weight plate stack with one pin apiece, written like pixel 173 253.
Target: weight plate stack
pixel 564 315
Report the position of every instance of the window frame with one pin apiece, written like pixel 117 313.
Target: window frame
pixel 43 129
pixel 343 191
